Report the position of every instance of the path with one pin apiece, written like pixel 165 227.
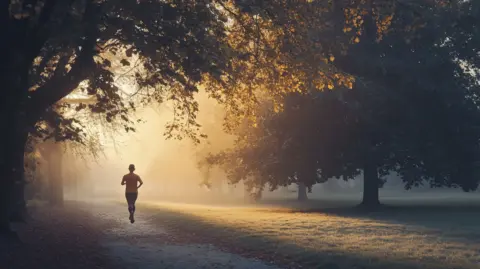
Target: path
pixel 99 235
pixel 146 245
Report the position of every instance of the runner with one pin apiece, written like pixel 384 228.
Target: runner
pixel 131 181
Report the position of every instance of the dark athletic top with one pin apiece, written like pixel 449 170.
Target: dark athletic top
pixel 131 181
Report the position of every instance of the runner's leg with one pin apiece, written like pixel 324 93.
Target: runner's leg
pixel 128 196
pixel 134 199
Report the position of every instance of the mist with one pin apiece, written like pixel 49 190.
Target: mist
pixel 168 167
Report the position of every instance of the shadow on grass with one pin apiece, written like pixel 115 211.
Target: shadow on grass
pixel 454 221
pixel 287 254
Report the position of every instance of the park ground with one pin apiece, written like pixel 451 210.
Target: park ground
pixel 323 234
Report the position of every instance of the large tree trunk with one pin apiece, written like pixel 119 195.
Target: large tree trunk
pixel 302 192
pixel 13 137
pixel 12 200
pixel 18 107
pixel 370 186
pixel 19 205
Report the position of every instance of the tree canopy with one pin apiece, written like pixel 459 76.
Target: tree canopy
pixel 412 109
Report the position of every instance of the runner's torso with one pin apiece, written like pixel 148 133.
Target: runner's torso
pixel 131 181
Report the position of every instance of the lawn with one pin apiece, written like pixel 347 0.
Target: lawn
pixel 321 235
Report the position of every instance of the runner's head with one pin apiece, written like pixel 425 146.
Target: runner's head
pixel 131 168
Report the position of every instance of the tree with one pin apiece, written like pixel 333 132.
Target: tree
pixel 412 69
pixel 401 115
pixel 54 47
pixel 260 157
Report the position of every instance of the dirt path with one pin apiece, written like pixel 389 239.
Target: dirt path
pixel 99 235
pixel 146 245
pixel 56 239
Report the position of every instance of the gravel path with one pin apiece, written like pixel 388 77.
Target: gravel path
pixel 99 235
pixel 149 246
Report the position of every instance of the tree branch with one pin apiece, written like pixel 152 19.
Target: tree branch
pixel 41 32
pixel 60 86
pixel 38 39
pixel 36 76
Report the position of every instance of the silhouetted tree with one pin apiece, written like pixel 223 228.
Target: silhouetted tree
pixel 416 106
pixel 52 48
pixel 413 109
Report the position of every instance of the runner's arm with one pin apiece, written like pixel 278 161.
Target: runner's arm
pixel 123 180
pixel 141 182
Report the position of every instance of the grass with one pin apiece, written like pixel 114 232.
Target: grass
pixel 320 235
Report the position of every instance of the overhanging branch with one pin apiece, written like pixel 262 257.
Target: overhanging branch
pixel 60 86
pixel 40 32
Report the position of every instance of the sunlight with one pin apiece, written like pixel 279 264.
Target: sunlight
pixel 355 237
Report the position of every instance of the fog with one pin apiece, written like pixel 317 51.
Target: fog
pixel 168 167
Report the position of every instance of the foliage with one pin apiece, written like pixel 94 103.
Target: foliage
pixel 419 114
pixel 172 41
pixel 53 48
pixel 413 109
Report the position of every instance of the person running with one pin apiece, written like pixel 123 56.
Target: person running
pixel 131 181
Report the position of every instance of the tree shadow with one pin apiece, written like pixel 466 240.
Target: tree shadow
pixel 287 254
pixel 454 221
